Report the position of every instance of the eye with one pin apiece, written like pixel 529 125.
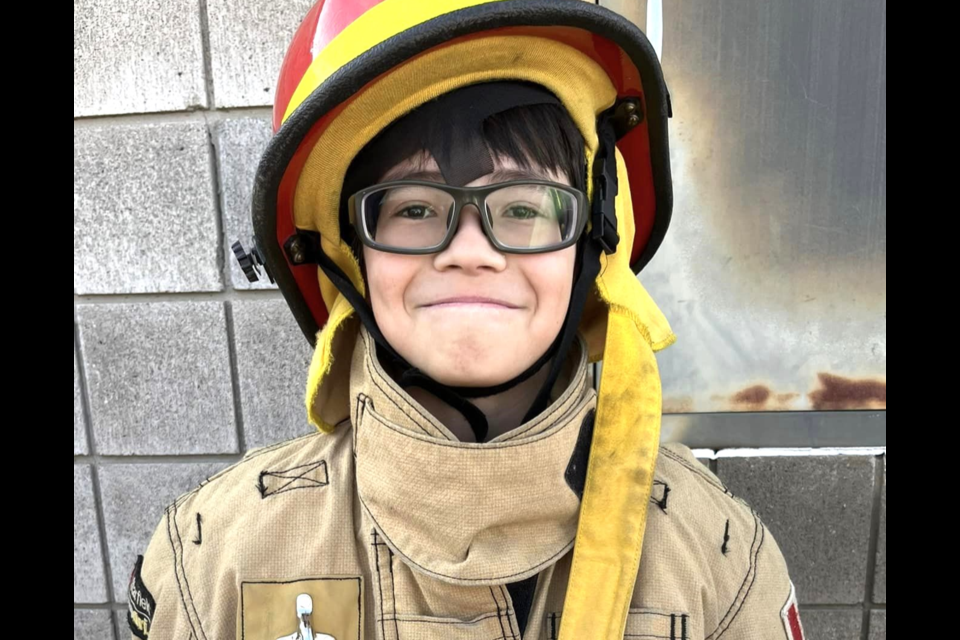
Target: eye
pixel 521 212
pixel 415 212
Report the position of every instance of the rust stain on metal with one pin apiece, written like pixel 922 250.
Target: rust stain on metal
pixel 833 393
pixel 837 393
pixel 756 395
pixel 759 397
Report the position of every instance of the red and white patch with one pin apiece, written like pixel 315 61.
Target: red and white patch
pixel 790 614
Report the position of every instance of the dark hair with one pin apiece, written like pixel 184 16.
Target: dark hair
pixel 536 135
pixel 541 135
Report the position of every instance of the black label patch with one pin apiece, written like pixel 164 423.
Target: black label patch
pixel 140 604
pixel 576 473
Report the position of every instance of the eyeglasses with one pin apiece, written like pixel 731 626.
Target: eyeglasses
pixel 415 217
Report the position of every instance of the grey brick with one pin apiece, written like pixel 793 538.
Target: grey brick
pixel 79 423
pixel 247 43
pixel 92 624
pixel 832 625
pixel 158 378
pixel 273 358
pixel 239 143
pixel 123 627
pixel 880 577
pixel 89 578
pixel 144 214
pixel 878 625
pixel 130 60
pixel 134 499
pixel 819 510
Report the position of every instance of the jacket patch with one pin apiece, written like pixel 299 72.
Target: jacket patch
pixel 270 609
pixel 140 603
pixel 791 616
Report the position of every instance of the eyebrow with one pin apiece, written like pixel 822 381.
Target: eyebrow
pixel 500 175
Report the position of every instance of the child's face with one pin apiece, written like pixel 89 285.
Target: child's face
pixel 470 315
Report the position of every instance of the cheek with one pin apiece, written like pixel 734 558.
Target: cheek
pixel 388 277
pixel 550 276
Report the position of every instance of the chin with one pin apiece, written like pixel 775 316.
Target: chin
pixel 471 369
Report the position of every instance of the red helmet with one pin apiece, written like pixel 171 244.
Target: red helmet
pixel 344 48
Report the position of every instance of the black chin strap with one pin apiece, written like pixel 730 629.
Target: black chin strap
pixel 588 274
pixel 602 237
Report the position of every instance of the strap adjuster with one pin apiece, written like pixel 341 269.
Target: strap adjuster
pixel 603 216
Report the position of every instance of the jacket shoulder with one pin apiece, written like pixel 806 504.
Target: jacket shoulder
pixel 708 556
pixel 245 521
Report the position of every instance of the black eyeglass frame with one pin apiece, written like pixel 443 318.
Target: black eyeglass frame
pixel 463 196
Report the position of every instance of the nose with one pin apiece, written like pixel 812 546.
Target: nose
pixel 470 250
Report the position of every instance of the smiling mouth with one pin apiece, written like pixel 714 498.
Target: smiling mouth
pixel 471 301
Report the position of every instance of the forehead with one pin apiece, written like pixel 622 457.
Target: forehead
pixel 423 166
